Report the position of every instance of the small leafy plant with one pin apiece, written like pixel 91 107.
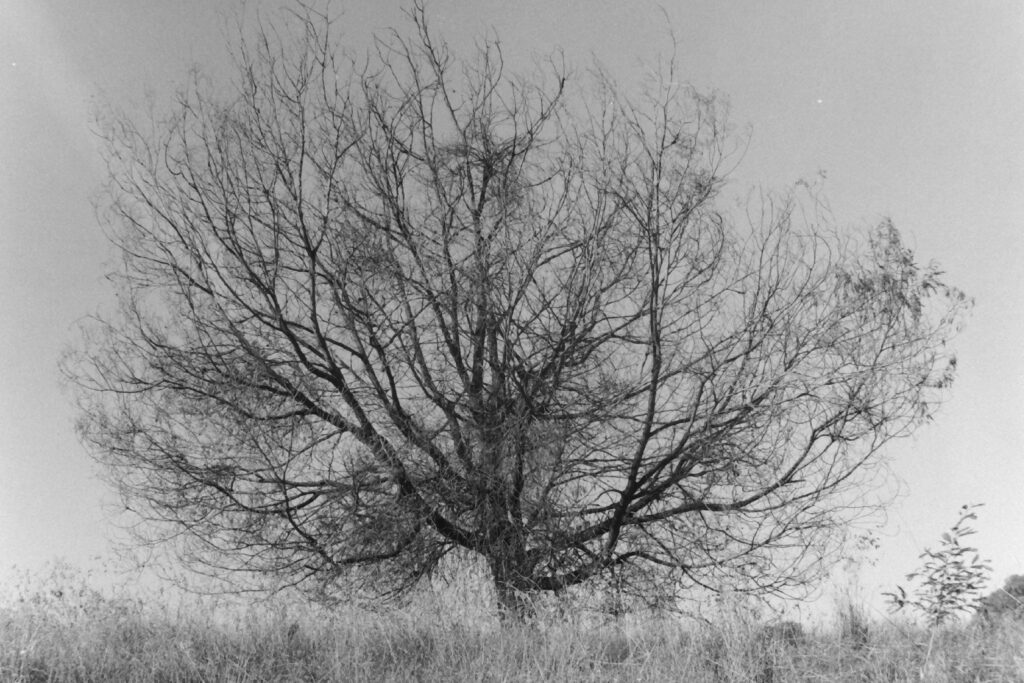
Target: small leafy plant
pixel 951 578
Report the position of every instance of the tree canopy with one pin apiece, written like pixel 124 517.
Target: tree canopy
pixel 382 311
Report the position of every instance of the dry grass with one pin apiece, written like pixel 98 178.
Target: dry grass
pixel 61 630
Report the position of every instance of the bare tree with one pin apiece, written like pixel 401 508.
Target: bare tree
pixel 375 315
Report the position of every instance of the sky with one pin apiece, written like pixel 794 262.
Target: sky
pixel 912 110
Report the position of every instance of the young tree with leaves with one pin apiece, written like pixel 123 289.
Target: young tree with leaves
pixel 951 578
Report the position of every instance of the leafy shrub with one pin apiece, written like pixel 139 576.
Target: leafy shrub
pixel 951 577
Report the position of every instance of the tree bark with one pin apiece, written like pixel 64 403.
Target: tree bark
pixel 510 588
pixel 509 564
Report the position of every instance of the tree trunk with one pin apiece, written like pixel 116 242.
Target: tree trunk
pixel 513 580
pixel 514 607
pixel 510 590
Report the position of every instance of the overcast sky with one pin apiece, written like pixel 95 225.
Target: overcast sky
pixel 913 109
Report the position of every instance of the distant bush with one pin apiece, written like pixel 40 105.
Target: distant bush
pixel 1005 602
pixel 785 633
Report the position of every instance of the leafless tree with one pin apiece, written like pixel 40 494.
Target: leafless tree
pixel 379 312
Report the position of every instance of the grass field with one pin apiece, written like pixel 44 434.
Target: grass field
pixel 62 630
